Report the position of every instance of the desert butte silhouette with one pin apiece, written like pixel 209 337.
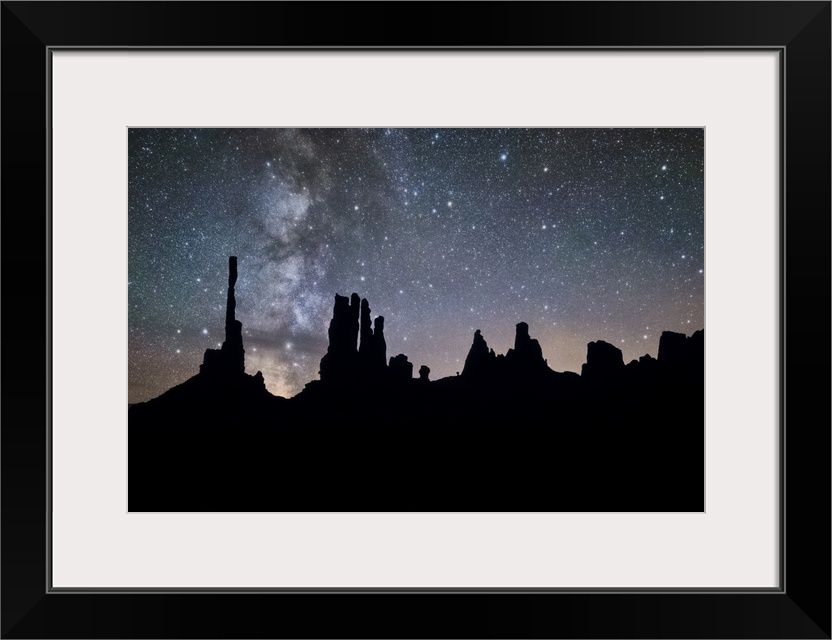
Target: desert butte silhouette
pixel 506 434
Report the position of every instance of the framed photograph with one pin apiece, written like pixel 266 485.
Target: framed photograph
pixel 334 318
pixel 455 234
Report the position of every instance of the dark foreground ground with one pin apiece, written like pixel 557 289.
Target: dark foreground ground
pixel 558 443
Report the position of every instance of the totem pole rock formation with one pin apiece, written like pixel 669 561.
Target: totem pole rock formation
pixel 230 358
pixel 341 355
pixel 357 348
pixel 372 351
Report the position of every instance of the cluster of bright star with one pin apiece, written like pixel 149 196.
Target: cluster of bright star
pixel 585 234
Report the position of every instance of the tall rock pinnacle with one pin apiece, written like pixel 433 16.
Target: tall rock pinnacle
pixel 233 344
pixel 527 355
pixel 231 357
pixel 348 360
pixel 366 331
pixel 480 360
pixel 378 360
pixel 341 356
pixel 372 350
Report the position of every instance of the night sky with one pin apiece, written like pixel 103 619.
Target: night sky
pixel 585 234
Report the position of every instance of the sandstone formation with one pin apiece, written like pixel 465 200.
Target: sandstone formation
pixel 230 358
pixel 342 355
pixel 400 369
pixel 678 352
pixel 526 358
pixel 378 353
pixel 352 325
pixel 604 362
pixel 480 361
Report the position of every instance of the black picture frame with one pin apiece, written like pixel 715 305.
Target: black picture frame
pixel 800 31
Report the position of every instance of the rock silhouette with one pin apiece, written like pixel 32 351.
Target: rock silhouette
pixel 523 364
pixel 378 353
pixel 642 371
pixel 526 358
pixel 400 369
pixel 480 361
pixel 508 434
pixel 217 395
pixel 366 346
pixel 372 351
pixel 679 353
pixel 230 358
pixel 604 362
pixel 339 363
pixel 344 364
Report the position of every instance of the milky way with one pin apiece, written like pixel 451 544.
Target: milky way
pixel 585 234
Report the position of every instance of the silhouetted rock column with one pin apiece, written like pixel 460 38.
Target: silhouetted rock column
pixel 424 373
pixel 480 361
pixel 341 356
pixel 379 352
pixel 372 350
pixel 527 355
pixel 230 358
pixel 355 310
pixel 366 332
pixel 233 345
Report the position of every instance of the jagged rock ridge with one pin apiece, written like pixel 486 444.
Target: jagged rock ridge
pixel 509 434
pixel 523 362
pixel 357 354
pixel 357 351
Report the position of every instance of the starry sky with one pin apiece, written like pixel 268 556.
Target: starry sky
pixel 585 234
